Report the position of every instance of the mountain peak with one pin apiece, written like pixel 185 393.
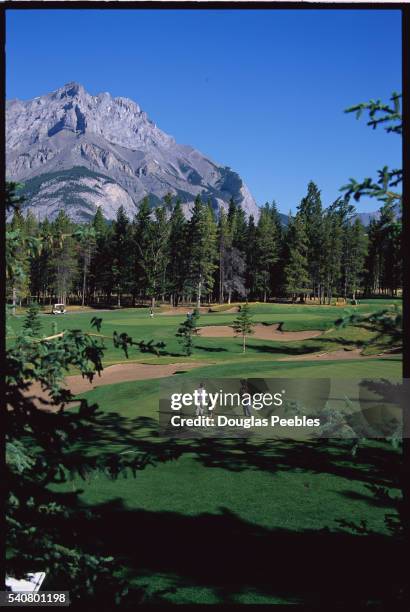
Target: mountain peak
pixel 88 151
pixel 70 90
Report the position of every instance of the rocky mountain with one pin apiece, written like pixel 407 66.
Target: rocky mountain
pixel 77 152
pixel 367 217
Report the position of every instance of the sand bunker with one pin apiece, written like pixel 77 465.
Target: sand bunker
pixel 261 332
pixel 126 372
pixel 120 372
pixel 183 311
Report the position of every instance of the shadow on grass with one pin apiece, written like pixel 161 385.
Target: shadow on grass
pixel 314 345
pixel 279 325
pixel 282 350
pixel 374 463
pixel 371 500
pixel 164 353
pixel 229 557
pixel 222 555
pixel 341 341
pixel 321 456
pixel 211 349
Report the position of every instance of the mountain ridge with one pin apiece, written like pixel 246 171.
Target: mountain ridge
pixel 77 152
pixel 112 137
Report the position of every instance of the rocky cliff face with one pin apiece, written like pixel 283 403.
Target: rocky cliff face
pixel 75 151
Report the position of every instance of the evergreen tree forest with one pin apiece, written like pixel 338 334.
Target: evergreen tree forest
pixel 323 253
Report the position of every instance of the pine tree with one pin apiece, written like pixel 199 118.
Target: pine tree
pixel 177 253
pixel 296 273
pixel 32 229
pixel 390 231
pixel 86 238
pixel 18 287
pixel 121 253
pixel 156 259
pixel 243 324
pixel 232 256
pixel 224 243
pixel 234 252
pixel 234 277
pixel 100 263
pixel 267 252
pixel 203 250
pixel 103 263
pixel 385 251
pixel 386 187
pixel 373 260
pixel 236 219
pixel 99 223
pixel 41 263
pixel 150 241
pixel 64 264
pixel 333 225
pixel 276 218
pixel 355 249
pixel 32 323
pixel 251 258
pixel 141 236
pixel 311 211
pixel 383 263
pixel 277 269
pixel 187 331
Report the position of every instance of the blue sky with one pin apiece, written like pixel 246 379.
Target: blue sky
pixel 261 91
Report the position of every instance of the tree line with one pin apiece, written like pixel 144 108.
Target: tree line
pixel 323 252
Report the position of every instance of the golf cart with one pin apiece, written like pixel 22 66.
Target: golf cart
pixel 58 309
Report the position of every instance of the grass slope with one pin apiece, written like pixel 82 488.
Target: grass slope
pixel 232 502
pixel 199 528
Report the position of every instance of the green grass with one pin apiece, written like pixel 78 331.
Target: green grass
pixel 382 302
pixel 220 493
pixel 137 323
pixel 270 499
pixel 231 501
pixel 326 369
